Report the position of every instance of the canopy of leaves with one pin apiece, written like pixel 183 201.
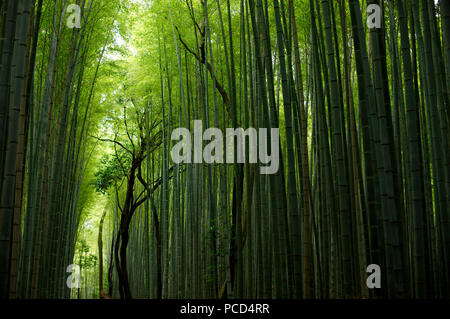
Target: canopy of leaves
pixel 112 169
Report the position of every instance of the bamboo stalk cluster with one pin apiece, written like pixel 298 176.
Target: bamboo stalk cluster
pixel 364 170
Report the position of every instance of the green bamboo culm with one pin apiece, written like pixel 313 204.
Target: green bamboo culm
pixel 94 203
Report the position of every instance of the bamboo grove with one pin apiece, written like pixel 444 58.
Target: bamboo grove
pixel 93 205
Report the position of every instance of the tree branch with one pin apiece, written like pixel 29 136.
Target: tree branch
pixel 150 191
pixel 112 141
pixel 118 199
pixel 218 86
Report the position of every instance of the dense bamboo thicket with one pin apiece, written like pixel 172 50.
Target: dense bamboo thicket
pixel 93 204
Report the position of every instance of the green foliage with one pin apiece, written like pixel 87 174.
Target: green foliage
pixel 112 168
pixel 86 259
pixel 364 132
